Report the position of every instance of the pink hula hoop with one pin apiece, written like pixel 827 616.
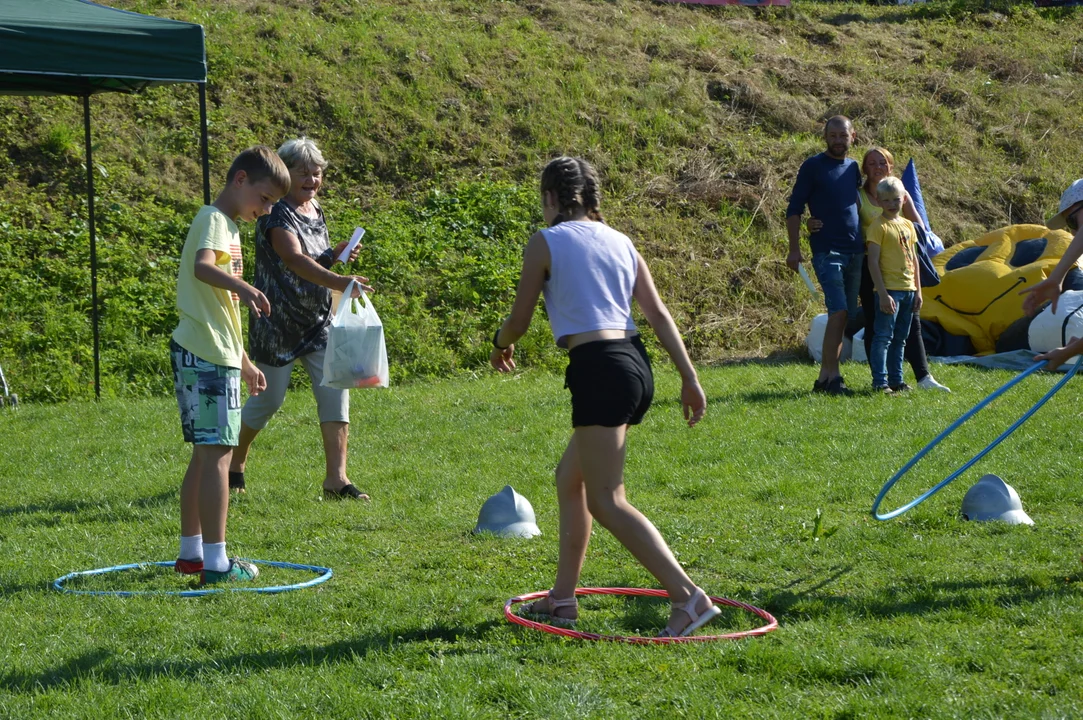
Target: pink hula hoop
pixel 772 623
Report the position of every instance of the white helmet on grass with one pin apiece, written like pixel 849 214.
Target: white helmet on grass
pixel 993 499
pixel 507 514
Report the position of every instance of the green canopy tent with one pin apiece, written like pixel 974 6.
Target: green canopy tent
pixel 77 47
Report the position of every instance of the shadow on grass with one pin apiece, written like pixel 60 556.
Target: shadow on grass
pixel 926 598
pixel 93 508
pixel 104 666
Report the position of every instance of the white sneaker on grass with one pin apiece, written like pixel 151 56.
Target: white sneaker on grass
pixel 929 383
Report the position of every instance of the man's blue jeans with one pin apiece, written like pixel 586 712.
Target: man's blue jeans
pixel 889 339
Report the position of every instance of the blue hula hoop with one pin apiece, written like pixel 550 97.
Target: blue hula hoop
pixel 324 574
pixel 954 426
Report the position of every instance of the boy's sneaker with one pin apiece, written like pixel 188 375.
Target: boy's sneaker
pixel 901 387
pixel 188 567
pixel 882 390
pixel 239 571
pixel 837 387
pixel 929 383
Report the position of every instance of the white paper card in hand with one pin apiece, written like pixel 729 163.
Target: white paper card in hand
pixel 358 233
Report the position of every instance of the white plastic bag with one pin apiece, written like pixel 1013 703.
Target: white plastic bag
pixel 356 353
pixel 815 340
pixel 1049 331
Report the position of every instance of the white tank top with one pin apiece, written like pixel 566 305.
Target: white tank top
pixel 592 273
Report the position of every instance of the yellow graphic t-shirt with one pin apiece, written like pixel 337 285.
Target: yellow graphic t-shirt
pixel 210 318
pixel 898 257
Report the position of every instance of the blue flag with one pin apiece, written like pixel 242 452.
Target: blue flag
pixel 932 243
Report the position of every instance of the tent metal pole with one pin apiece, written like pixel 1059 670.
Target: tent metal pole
pixel 204 143
pixel 93 245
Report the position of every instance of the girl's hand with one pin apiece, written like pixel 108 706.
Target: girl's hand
pixel 917 301
pixel 693 401
pixel 813 224
pixel 253 377
pixel 1046 290
pixel 887 304
pixel 1055 358
pixel 342 246
pixel 502 359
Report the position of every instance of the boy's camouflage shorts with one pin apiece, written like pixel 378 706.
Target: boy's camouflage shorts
pixel 209 398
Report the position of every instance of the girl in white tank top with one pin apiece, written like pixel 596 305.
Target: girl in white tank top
pixel 590 273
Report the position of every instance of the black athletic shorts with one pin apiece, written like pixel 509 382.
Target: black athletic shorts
pixel 611 382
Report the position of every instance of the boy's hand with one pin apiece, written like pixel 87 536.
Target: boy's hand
pixel 1046 290
pixel 887 303
pixel 693 401
pixel 342 246
pixel 253 377
pixel 917 301
pixel 814 224
pixel 502 359
pixel 794 259
pixel 256 301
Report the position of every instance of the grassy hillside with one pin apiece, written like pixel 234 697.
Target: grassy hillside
pixel 437 117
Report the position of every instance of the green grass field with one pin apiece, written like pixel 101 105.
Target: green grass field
pixel 924 616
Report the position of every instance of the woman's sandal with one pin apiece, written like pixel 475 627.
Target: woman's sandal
pixel 532 612
pixel 689 609
pixel 346 492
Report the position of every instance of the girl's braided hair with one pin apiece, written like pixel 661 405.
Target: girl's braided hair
pixel 575 184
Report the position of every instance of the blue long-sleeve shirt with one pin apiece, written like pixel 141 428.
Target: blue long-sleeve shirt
pixel 829 187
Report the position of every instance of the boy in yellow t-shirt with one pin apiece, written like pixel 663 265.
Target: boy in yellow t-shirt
pixel 209 361
pixel 893 265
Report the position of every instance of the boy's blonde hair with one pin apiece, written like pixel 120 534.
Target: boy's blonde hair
pixel 261 163
pixel 301 154
pixel 890 186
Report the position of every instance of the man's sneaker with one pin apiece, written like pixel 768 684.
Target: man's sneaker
pixel 882 390
pixel 929 383
pixel 239 571
pixel 819 386
pixel 901 387
pixel 188 567
pixel 837 387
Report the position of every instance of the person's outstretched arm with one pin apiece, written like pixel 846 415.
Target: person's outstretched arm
pixel 289 249
pixel 693 399
pixel 531 282
pixel 1049 289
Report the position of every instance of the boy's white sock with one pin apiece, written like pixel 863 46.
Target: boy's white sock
pixel 214 557
pixel 191 547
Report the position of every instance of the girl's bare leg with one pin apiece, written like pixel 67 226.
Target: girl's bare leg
pixel 601 452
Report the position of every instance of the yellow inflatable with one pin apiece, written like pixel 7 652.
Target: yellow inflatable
pixel 980 280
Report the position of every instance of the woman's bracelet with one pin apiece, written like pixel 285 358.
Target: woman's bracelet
pixel 496 335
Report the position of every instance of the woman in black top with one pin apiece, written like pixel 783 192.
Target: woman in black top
pixel 293 261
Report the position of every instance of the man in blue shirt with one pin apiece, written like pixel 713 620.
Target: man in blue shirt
pixel 827 183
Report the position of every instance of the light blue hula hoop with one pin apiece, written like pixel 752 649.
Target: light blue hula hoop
pixel 951 428
pixel 324 574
